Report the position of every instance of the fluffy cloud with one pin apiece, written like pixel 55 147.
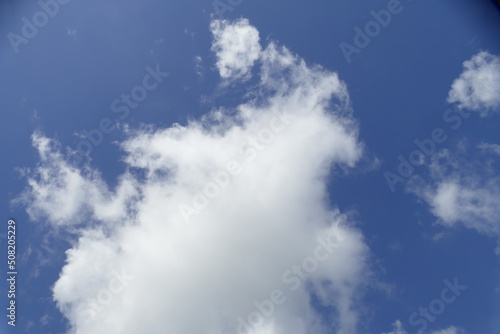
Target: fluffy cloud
pixel 261 239
pixel 457 190
pixel 236 46
pixel 62 194
pixel 478 87
pixel 473 204
pixel 461 192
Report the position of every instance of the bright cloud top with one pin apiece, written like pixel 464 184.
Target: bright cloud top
pixel 221 225
pixel 236 46
pixel 478 87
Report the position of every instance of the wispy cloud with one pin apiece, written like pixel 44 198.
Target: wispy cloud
pixel 460 191
pixel 489 148
pixel 398 329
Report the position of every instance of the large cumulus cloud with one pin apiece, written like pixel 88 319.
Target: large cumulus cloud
pixel 211 217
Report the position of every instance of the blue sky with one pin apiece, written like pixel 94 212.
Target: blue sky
pixel 317 134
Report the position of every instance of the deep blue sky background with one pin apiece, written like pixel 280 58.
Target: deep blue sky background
pixel 63 82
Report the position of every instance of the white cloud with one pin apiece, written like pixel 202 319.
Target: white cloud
pixel 461 192
pixel 62 194
pixel 477 206
pixel 397 328
pixel 491 148
pixel 157 274
pixel 478 87
pixel 449 330
pixel 236 46
pixel 198 68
